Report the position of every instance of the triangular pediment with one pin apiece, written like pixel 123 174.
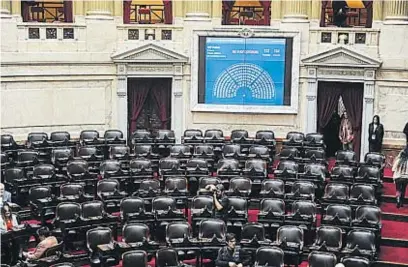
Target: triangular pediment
pixel 342 57
pixel 150 53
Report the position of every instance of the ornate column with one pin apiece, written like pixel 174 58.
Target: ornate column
pixel 217 8
pixel 197 10
pixel 378 9
pixel 316 8
pixel 177 111
pixel 118 9
pixel 99 9
pixel 276 10
pixel 311 95
pixel 16 8
pixel 296 10
pixel 122 99
pixel 368 109
pixel 5 9
pixel 396 10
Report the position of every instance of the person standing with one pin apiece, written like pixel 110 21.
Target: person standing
pixel 400 176
pixel 375 135
pixel 346 135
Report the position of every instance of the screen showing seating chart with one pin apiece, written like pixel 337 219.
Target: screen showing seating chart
pixel 244 71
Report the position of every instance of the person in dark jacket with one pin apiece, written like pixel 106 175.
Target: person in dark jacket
pixel 375 135
pixel 231 256
pixel 405 131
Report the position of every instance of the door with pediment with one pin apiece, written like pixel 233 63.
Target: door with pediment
pixel 149 104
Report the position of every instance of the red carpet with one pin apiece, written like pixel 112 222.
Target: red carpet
pixel 394 229
pixel 387 172
pixel 392 208
pixel 394 254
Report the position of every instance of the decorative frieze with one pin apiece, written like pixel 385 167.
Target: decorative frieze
pixel 142 68
pixel 339 72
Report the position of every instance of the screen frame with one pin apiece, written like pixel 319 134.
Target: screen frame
pixel 281 109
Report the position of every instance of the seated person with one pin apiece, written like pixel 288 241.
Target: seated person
pixel 46 242
pixel 5 196
pixel 220 200
pixel 230 256
pixel 8 221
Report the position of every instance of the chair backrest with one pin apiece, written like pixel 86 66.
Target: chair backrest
pixel 354 261
pixel 88 151
pixel 7 140
pixel 288 165
pixel 258 165
pixel 315 153
pixel 98 236
pixel 175 184
pixel 320 259
pixel 77 167
pixel 92 209
pixel 61 153
pixel 142 150
pixel 204 181
pixel 193 133
pixel 341 211
pixel 212 227
pixel 269 256
pixel 68 211
pixel 39 192
pixel 316 169
pixel 203 150
pixel 331 236
pixel 345 171
pixel 238 203
pixel 197 163
pixel 44 171
pixel 316 138
pixel 258 150
pixel 135 232
pixel 346 156
pixel 12 174
pixel 304 188
pixel 140 163
pixel 167 257
pixel 238 134
pixel 113 134
pixel 180 150
pixel 290 233
pixel 119 150
pixel 253 230
pixel 364 239
pixel 367 171
pixel 36 137
pixel 370 213
pixel 163 134
pixel 201 202
pixel 60 136
pixel 88 135
pixel 130 205
pixel 149 184
pixel 295 136
pixel 27 155
pixel 169 163
pixel 275 185
pixel 225 164
pixel 163 203
pixel 240 184
pixel 273 205
pixel 107 186
pixel 373 158
pixel 336 190
pixel 307 208
pixel 366 191
pixel 177 230
pixel 230 149
pixel 110 166
pixel 265 134
pixel 141 134
pixel 134 258
pixel 214 133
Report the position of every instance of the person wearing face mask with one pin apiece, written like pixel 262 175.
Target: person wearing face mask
pixel 346 134
pixel 375 135
pixel 400 169
pixel 231 256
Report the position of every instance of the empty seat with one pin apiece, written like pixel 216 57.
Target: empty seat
pixel 355 261
pixel 241 137
pixel 132 209
pixel 290 239
pixel 27 158
pixel 202 207
pixel 197 166
pixel 165 137
pixel 369 174
pixel 303 214
pixel 89 137
pixel 119 152
pixel 346 157
pixel 314 140
pixel 37 139
pixel 272 188
pixel 289 153
pixel 302 191
pixel 176 186
pixel 180 151
pixel 360 243
pixel 212 229
pixel 136 233
pixel 108 191
pixel 114 137
pixel 167 257
pixel 322 259
pixel 266 138
pixel 148 188
pixel 141 136
pixel 73 192
pixel 214 136
pixel 92 211
pixel 336 193
pixel 204 151
pixel 253 235
pixel 61 138
pixel 8 143
pixel 362 194
pixel 77 169
pixel 240 186
pixel 111 168
pixel 328 238
pixel 96 237
pixel 140 167
pixel 287 170
pixel 294 139
pixel 337 214
pixel 269 256
pixel 272 212
pixel 193 136
pixel 256 168
pixel 170 166
pixel 259 151
pixel 315 172
pixel 178 233
pixel 367 217
pixel 342 173
pixel 67 215
pixel 90 153
pixel 61 156
pixel 315 155
pixel 134 258
pixel 375 159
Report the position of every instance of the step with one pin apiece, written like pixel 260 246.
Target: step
pixel 394 229
pixel 395 255
pixel 391 208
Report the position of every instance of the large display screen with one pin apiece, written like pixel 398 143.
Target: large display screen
pixel 245 71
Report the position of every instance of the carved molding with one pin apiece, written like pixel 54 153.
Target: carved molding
pixel 150 68
pixel 149 54
pixel 178 94
pixel 394 135
pixel 340 72
pixel 121 93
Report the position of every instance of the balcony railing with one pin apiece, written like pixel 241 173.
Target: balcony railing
pixel 245 15
pixel 46 11
pixel 147 14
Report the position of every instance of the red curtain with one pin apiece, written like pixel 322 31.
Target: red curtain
pixel 168 12
pixel 127 5
pixel 327 99
pixel 137 96
pixel 161 94
pixel 352 95
pixel 266 4
pixel 68 11
pixel 227 6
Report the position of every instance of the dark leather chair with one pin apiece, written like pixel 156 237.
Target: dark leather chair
pixel 193 136
pixel 272 188
pixel 319 259
pixel 290 239
pixel 361 243
pixel 362 194
pixel 269 256
pixel 89 137
pixel 100 236
pixel 114 137
pixel 338 215
pixel 328 239
pixel 134 258
pixel 355 261
pixel 142 136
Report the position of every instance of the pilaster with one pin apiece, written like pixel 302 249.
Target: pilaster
pixel 276 10
pixel 99 9
pixel 378 10
pixel 122 100
pixel 5 9
pixel 177 112
pixel 311 96
pixel 197 10
pixel 296 10
pixel 16 8
pixel 396 11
